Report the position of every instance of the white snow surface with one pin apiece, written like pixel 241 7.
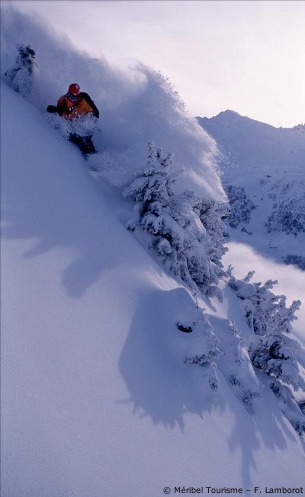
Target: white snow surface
pixel 96 397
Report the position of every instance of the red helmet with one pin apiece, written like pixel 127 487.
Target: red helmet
pixel 74 89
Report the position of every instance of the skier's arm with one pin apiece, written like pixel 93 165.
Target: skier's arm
pixel 61 105
pixel 96 112
pixel 60 108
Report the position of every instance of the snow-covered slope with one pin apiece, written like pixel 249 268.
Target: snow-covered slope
pixel 97 399
pixel 264 172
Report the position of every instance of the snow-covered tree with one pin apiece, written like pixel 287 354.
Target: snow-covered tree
pixel 185 231
pixel 296 260
pixel 213 214
pixel 203 350
pixel 288 214
pixel 271 349
pixel 276 355
pixel 20 76
pixel 291 408
pixel 267 313
pixel 235 363
pixel 241 206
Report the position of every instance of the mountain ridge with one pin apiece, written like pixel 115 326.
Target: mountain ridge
pixel 263 171
pixel 231 114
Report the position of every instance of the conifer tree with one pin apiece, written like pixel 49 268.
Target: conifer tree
pixel 20 76
pixel 271 349
pixel 185 231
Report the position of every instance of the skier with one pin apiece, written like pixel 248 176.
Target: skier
pixel 81 114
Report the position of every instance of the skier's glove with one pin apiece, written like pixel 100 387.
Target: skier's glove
pixel 52 109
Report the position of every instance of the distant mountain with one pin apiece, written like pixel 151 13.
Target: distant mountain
pixel 263 172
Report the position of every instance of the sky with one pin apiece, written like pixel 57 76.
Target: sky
pixel 246 56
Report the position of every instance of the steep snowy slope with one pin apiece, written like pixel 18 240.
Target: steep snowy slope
pixel 96 398
pixel 264 172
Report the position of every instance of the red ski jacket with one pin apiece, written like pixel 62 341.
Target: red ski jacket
pixel 78 106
